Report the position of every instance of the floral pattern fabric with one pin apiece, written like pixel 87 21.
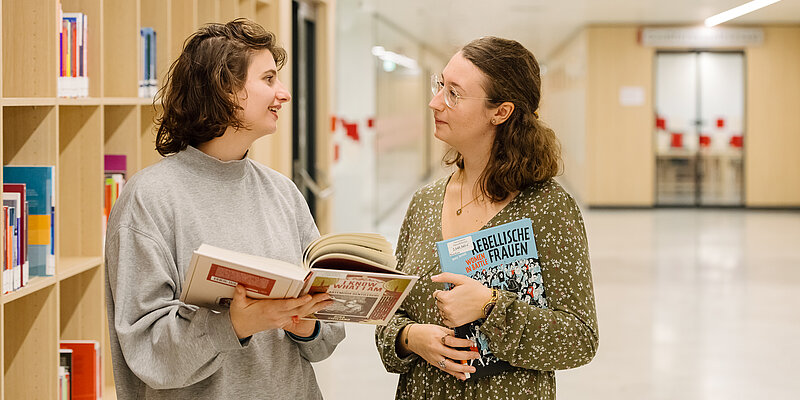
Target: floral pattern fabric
pixel 534 340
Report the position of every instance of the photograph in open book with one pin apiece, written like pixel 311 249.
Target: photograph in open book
pixel 358 267
pixel 358 297
pixel 503 257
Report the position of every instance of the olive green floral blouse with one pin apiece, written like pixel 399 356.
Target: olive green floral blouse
pixel 536 341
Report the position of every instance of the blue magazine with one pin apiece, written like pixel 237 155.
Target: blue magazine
pixel 502 257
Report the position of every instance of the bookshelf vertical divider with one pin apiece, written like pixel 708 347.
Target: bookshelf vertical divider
pixel 39 128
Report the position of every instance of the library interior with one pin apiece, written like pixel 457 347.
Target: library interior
pixel 679 142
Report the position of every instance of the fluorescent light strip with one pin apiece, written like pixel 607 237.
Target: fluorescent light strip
pixel 738 11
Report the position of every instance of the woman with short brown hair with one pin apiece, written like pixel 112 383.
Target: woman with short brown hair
pixel 221 94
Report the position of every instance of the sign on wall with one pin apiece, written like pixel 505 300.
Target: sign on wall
pixel 701 37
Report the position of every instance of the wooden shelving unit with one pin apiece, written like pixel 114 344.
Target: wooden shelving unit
pixel 39 128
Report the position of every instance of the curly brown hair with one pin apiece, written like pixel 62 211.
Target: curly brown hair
pixel 525 151
pixel 199 95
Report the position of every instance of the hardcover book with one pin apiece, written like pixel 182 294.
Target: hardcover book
pixel 85 369
pixel 356 269
pixel 23 230
pixel 503 257
pixel 13 202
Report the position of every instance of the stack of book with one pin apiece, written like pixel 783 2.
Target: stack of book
pixel 28 215
pixel 73 78
pixel 115 166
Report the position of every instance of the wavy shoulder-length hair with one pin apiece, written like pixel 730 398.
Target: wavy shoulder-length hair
pixel 199 95
pixel 525 151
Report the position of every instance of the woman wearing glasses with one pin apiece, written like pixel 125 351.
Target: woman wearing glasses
pixel 484 106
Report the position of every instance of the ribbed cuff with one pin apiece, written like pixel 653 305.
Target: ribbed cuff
pixel 306 339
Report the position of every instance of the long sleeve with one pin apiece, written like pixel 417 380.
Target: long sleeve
pixel 386 336
pixel 565 334
pixel 322 346
pixel 165 343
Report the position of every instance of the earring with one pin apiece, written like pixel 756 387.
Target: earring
pixel 494 122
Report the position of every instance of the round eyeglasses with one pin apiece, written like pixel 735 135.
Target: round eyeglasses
pixel 451 97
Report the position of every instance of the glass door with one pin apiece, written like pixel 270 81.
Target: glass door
pixel 699 129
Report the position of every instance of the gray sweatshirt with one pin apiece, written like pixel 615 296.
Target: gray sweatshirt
pixel 164 349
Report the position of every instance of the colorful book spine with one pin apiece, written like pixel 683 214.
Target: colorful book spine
pixel 40 184
pixel 22 243
pixel 73 59
pixel 14 203
pixel 148 83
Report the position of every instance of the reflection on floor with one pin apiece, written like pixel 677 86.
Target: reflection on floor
pixel 692 304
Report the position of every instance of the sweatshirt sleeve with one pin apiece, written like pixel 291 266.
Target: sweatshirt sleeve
pixel 564 335
pixel 166 343
pixel 321 345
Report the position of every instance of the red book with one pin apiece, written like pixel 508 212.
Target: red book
pixel 74 53
pixel 23 228
pixel 86 369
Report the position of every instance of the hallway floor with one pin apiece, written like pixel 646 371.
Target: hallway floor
pixel 692 304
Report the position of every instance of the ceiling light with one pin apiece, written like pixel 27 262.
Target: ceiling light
pixel 738 11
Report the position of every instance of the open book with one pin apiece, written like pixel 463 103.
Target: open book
pixel 356 269
pixel 502 257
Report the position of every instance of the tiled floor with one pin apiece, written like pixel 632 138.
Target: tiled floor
pixel 692 304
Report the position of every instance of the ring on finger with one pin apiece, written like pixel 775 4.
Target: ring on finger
pixel 443 337
pixel 441 365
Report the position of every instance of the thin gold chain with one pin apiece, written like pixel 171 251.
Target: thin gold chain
pixel 461 197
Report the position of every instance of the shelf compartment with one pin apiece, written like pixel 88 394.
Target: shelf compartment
pixel 154 15
pixel 92 10
pixel 120 49
pixel 30 345
pixel 81 314
pixel 29 32
pixel 180 28
pixel 29 135
pixel 121 134
pixel 80 191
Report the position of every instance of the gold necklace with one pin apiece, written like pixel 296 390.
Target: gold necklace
pixel 461 198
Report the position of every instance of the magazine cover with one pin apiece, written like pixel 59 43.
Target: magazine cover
pixel 502 257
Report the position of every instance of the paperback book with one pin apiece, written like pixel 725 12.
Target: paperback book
pixel 358 270
pixel 503 257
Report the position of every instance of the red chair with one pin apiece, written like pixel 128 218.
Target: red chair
pixel 676 141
